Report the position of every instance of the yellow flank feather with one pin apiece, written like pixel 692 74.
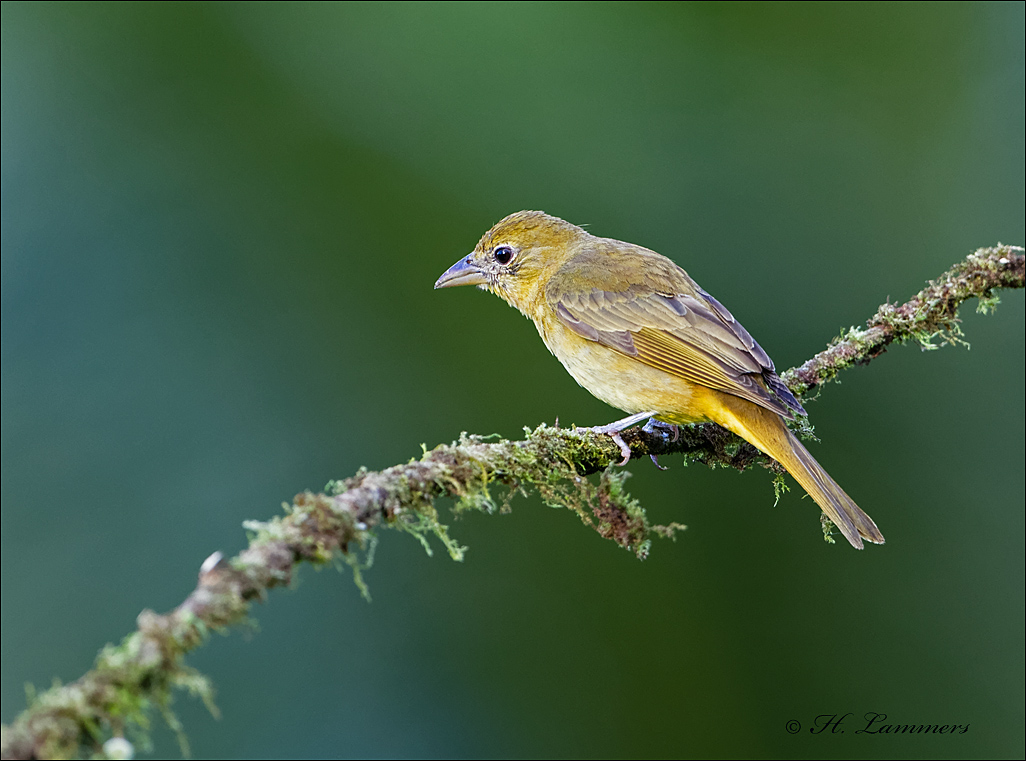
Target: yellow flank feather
pixel 637 332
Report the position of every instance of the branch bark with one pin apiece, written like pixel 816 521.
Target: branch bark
pixel 115 697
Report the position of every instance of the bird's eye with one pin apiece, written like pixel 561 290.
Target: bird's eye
pixel 503 254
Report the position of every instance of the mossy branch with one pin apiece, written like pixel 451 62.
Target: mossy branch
pixel 931 315
pixel 94 714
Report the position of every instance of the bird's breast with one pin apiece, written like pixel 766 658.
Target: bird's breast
pixel 619 380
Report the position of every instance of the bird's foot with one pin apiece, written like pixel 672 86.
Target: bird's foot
pixel 664 429
pixel 613 430
pixel 660 428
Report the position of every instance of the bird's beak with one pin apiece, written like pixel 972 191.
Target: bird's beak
pixel 463 272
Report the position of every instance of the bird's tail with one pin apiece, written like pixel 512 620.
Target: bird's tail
pixel 767 431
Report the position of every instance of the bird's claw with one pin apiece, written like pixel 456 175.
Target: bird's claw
pixel 613 430
pixel 624 449
pixel 658 426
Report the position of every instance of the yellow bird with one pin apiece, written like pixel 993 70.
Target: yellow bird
pixel 637 332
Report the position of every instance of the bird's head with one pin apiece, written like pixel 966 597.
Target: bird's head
pixel 516 258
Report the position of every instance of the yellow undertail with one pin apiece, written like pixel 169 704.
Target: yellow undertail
pixel 767 431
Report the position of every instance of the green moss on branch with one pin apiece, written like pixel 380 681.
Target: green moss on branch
pixel 931 315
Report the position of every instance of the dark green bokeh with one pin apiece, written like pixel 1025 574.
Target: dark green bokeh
pixel 221 224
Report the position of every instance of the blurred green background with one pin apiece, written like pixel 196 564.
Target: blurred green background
pixel 221 225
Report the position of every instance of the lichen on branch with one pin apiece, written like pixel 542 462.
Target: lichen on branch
pixel 114 699
pixel 931 315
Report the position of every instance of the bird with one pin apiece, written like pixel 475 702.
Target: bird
pixel 635 330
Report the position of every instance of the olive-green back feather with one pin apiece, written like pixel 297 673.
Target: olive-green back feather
pixel 665 321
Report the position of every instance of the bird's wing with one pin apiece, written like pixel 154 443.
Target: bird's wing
pixel 676 327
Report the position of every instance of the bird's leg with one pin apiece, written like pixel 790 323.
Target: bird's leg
pixel 612 430
pixel 654 426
